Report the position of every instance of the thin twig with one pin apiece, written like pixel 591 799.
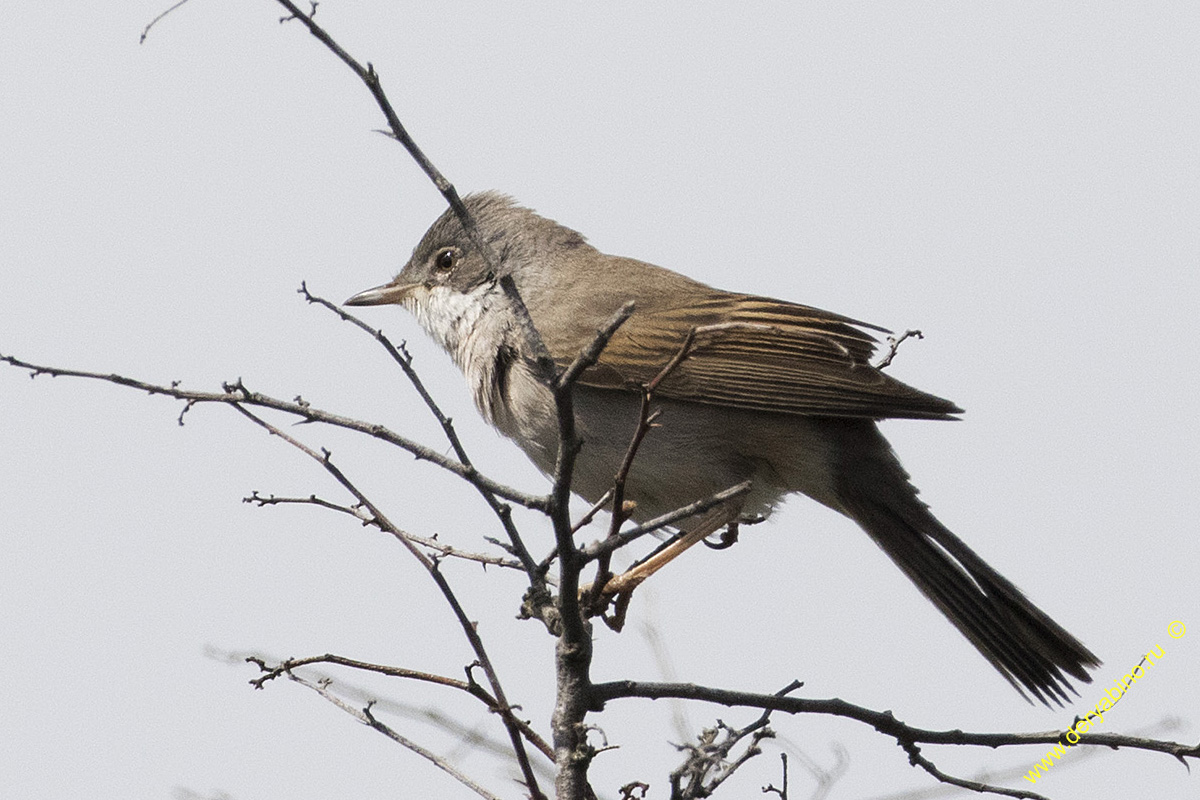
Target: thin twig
pixel 153 22
pixel 596 508
pixel 429 542
pixel 708 763
pixel 541 356
pixel 894 347
pixel 917 760
pixel 402 357
pixel 782 791
pixel 270 673
pixel 646 418
pixel 236 393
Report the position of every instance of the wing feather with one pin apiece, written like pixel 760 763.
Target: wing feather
pixel 763 354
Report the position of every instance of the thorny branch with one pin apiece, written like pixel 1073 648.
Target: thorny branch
pixel 910 738
pixel 503 707
pixel 544 363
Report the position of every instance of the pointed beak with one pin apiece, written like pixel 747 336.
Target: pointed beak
pixel 390 293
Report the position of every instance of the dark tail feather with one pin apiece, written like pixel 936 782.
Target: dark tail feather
pixel 1028 648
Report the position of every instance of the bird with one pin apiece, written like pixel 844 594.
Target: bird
pixel 776 393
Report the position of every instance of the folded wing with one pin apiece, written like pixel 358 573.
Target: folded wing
pixel 763 354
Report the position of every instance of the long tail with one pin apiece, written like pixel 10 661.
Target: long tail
pixel 1020 640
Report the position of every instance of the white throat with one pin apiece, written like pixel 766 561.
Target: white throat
pixel 483 335
pixel 453 319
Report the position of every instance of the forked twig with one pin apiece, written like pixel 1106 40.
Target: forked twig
pixel 894 347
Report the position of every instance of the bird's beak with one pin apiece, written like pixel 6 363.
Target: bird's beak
pixel 390 293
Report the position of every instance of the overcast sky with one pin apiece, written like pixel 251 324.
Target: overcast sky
pixel 1020 183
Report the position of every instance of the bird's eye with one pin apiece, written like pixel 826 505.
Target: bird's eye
pixel 444 260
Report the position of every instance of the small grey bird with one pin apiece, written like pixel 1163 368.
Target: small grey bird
pixel 780 394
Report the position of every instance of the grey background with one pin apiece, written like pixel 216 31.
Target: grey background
pixel 1020 182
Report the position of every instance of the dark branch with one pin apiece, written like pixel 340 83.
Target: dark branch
pixel 573 656
pixel 398 132
pixel 907 736
pixel 153 22
pixel 560 495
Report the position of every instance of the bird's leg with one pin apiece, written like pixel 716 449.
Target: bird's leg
pixel 621 586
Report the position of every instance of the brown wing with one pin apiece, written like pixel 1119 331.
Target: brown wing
pixel 764 354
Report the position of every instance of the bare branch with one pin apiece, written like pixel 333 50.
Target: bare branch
pixel 236 393
pixel 907 736
pixel 593 603
pixel 591 513
pixel 270 673
pixel 917 760
pixel 541 356
pixel 573 656
pixel 560 494
pixel 312 500
pixel 782 791
pixel 504 708
pixel 429 542
pixel 403 358
pixel 709 764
